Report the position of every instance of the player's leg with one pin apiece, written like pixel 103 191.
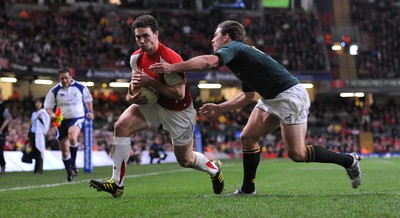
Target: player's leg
pixel 73 133
pixel 259 124
pixel 40 144
pixel 180 125
pixel 2 159
pixel 38 160
pixel 130 121
pixel 62 136
pixel 293 137
pixel 186 157
pixel 35 152
pixel 66 157
pixel 293 105
pixel 151 159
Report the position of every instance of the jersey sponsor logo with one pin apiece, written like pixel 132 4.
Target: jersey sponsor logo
pixel 69 104
pixel 288 118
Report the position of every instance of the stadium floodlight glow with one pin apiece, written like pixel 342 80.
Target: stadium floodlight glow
pixel 88 83
pixel 336 47
pixel 351 94
pixel 115 2
pixel 353 50
pixel 307 85
pixel 209 86
pixel 43 81
pixel 8 79
pixel 359 94
pixel 119 84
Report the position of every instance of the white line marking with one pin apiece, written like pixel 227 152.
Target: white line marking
pixel 85 181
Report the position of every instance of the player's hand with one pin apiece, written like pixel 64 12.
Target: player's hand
pixel 161 68
pixel 133 95
pixel 90 115
pixel 140 79
pixel 210 110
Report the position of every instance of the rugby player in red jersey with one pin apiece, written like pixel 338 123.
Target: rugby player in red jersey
pixel 174 111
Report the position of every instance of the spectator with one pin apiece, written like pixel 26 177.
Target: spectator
pixel 5 118
pixel 157 150
pixel 40 124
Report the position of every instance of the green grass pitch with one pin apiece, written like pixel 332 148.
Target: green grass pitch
pixel 284 189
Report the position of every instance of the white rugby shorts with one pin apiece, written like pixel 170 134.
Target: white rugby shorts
pixel 180 124
pixel 290 106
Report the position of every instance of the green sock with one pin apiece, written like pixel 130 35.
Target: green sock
pixel 322 155
pixel 251 159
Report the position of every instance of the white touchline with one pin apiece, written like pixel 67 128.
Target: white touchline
pixel 85 181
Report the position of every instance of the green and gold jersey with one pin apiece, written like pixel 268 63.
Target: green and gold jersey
pixel 258 71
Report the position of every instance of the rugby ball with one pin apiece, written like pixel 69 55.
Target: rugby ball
pixel 150 93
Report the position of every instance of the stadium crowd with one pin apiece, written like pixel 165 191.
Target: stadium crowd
pixel 101 37
pixel 104 40
pixel 379 20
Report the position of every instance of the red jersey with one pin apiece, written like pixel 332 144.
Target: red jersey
pixel 140 60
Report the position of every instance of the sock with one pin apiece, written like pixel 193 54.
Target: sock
pixel 121 150
pixel 322 155
pixel 251 159
pixel 67 164
pixel 202 163
pixel 73 149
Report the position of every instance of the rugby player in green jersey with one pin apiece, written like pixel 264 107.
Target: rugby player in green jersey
pixel 284 103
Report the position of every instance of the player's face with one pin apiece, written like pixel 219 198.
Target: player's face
pixel 219 40
pixel 146 39
pixel 65 79
pixel 38 105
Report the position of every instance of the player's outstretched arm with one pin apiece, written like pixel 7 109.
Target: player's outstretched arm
pixel 197 63
pixel 239 101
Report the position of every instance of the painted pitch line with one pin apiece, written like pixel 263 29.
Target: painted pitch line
pixel 85 181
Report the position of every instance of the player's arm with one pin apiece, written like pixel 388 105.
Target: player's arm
pixel 49 103
pixel 176 91
pixel 241 100
pixel 90 113
pixel 88 99
pixel 197 63
pixel 89 106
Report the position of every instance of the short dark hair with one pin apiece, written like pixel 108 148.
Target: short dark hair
pixel 39 100
pixel 234 29
pixel 144 21
pixel 64 70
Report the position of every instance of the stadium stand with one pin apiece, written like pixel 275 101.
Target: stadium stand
pixel 378 23
pixel 104 39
